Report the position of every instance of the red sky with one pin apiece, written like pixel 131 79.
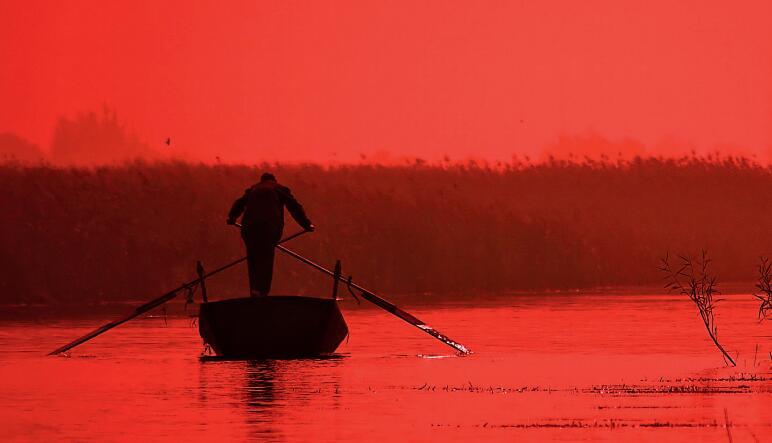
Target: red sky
pixel 332 80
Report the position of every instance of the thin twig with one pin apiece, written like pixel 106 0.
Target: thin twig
pixel 764 285
pixel 693 279
pixel 727 425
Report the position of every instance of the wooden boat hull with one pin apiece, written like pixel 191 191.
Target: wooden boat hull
pixel 272 327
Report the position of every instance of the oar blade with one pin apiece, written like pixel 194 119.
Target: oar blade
pixel 106 327
pixel 444 338
pixel 415 321
pixel 84 338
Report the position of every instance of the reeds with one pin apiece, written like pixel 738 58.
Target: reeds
pixel 124 232
pixel 694 280
pixel 764 285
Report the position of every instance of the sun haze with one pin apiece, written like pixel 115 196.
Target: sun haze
pixel 350 80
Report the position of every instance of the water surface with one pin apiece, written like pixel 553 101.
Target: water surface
pixel 557 367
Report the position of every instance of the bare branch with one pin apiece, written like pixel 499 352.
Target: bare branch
pixel 700 287
pixel 764 286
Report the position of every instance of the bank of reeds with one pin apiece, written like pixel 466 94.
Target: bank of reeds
pixel 126 232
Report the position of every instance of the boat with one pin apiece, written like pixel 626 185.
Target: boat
pixel 277 326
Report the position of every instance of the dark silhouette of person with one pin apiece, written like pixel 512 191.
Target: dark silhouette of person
pixel 262 225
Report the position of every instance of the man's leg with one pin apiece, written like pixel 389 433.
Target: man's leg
pixel 264 269
pixel 260 256
pixel 253 262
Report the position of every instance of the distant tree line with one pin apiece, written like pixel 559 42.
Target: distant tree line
pixel 88 138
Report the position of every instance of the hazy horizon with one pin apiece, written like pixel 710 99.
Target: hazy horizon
pixel 311 82
pixel 95 138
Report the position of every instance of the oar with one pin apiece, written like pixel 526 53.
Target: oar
pixel 153 303
pixel 382 303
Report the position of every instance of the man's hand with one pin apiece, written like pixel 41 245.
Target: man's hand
pixel 310 227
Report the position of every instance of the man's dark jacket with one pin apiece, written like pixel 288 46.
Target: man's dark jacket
pixel 263 207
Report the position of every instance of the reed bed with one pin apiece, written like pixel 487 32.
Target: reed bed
pixel 130 231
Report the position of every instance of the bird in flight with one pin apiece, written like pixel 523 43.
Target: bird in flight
pixel 168 141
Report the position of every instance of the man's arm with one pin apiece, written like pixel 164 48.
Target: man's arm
pixel 238 207
pixel 295 209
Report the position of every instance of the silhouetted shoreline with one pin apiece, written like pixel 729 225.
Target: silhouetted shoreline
pixel 73 235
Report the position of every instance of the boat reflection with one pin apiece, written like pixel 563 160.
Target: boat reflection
pixel 259 385
pixel 270 392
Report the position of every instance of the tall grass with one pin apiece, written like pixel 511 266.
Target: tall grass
pixel 126 232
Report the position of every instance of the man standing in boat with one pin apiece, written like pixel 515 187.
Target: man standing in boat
pixel 262 225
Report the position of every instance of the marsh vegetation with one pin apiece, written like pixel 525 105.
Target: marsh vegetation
pixel 125 232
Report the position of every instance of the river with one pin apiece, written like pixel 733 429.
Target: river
pixel 614 367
